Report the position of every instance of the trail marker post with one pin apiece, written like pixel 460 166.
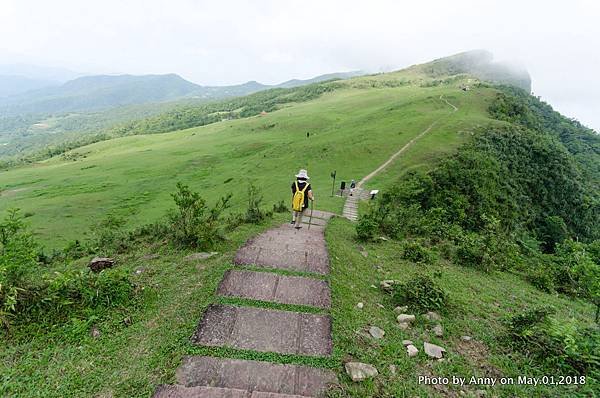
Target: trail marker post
pixel 333 173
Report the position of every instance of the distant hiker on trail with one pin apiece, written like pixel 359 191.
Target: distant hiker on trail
pixel 301 194
pixel 352 186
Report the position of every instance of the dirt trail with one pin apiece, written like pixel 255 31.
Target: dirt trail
pixel 405 147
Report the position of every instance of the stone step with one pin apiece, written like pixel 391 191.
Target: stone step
pixel 316 261
pixel 255 376
pixel 176 391
pixel 265 330
pixel 267 286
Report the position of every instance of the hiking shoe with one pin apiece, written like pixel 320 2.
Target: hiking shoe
pixel 293 222
pixel 297 227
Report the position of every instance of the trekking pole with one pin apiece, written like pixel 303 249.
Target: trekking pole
pixel 311 211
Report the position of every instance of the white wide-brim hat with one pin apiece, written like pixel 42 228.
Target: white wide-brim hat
pixel 302 174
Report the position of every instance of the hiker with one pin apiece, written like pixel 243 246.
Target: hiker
pixel 301 194
pixel 352 186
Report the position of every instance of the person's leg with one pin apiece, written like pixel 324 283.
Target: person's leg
pixel 293 217
pixel 299 215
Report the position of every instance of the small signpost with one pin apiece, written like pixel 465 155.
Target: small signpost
pixel 333 173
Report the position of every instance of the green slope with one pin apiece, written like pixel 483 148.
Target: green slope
pixel 352 130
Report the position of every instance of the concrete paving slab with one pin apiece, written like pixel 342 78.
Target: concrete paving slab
pixel 265 330
pixel 303 291
pixel 313 260
pixel 176 391
pixel 267 286
pixel 254 376
pixel 248 284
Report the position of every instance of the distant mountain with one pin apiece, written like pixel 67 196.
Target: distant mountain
pixel 35 72
pixel 13 85
pixel 481 64
pixel 321 78
pixel 99 92
pixel 91 93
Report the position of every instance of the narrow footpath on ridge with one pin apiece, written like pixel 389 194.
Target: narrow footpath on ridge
pixel 266 330
pixel 351 206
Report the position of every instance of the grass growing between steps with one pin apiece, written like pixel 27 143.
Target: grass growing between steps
pixel 479 303
pixel 125 361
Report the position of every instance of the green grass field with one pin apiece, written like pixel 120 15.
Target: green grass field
pixel 352 130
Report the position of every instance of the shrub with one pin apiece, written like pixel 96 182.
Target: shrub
pixel 421 293
pixel 561 345
pixel 63 294
pixel 254 214
pixel 193 223
pixel 18 260
pixel 417 253
pixel 541 275
pixel 280 207
pixel 553 231
pixel 107 233
pixel 366 228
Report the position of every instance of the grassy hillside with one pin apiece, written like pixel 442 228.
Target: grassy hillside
pixel 351 127
pixel 352 130
pixel 44 123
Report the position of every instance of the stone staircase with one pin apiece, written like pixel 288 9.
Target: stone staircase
pixel 263 329
pixel 351 206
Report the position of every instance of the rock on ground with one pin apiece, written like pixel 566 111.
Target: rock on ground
pixel 438 330
pixel 99 263
pixel 411 350
pixel 387 284
pixel 466 338
pixel 406 342
pixel 434 351
pixel 401 309
pixel 376 332
pixel 95 332
pixel 433 316
pixel 359 371
pixel 360 306
pixel 405 318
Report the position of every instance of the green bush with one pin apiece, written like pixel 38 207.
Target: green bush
pixel 18 261
pixel 254 214
pixel 194 224
pixel 30 294
pixel 366 228
pixel 421 293
pixel 541 275
pixel 560 345
pixel 61 295
pixel 414 251
pixel 280 207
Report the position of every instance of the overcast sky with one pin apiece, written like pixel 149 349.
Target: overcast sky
pixel 227 42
